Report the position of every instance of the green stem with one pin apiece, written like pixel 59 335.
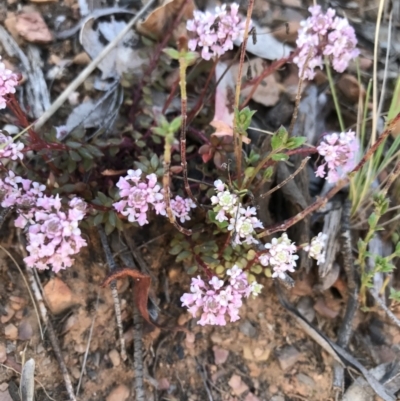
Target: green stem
pixel 334 94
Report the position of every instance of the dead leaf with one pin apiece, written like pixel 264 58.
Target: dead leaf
pixel 111 172
pixel 350 87
pixel 124 58
pixel 159 20
pixel 268 91
pixel 32 28
pixel 267 46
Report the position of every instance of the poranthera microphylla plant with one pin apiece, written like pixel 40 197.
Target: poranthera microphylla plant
pixel 58 187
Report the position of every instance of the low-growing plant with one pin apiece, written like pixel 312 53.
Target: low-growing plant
pixel 57 186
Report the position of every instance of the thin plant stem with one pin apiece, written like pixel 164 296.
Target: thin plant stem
pixel 334 94
pixel 237 137
pixel 169 138
pixel 183 64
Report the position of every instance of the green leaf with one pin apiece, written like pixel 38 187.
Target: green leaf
pixel 78 133
pixel 112 218
pixel 373 220
pixel 280 157
pixel 67 188
pixel 296 142
pixel 268 172
pixel 88 164
pixel 98 219
pixel 102 198
pixel 74 156
pixel 73 145
pixel 173 53
pixel 94 150
pixel 71 166
pixel 191 57
pixel 183 255
pixel 113 150
pixel 85 153
pixel 108 228
pixel 279 139
pixel 175 124
pixel 176 249
pixel 154 161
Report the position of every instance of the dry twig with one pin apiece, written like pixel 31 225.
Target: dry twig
pixel 345 330
pixel 113 286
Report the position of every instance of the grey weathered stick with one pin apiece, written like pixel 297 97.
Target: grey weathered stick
pixel 140 395
pixel 90 68
pixel 27 386
pixel 113 286
pixel 345 329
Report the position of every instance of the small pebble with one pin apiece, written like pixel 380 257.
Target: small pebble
pixel 3 353
pixel 57 295
pixel 247 329
pixel 115 357
pixel 11 332
pixel 220 355
pixel 237 385
pixel 288 356
pixel 10 313
pixel 25 330
pixel 119 393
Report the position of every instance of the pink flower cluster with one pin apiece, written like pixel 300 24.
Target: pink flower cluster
pixel 281 257
pixel 217 299
pixel 339 151
pixel 242 221
pixel 54 236
pixel 316 248
pixel 21 194
pixel 10 149
pixel 8 82
pixel 325 35
pixel 215 33
pixel 139 196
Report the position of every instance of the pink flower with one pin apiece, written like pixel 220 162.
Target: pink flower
pixel 181 208
pixel 215 33
pixel 216 300
pixel 53 235
pixel 140 196
pixel 8 148
pixel 324 35
pixel 316 248
pixel 242 221
pixel 8 82
pixel 339 151
pixel 281 255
